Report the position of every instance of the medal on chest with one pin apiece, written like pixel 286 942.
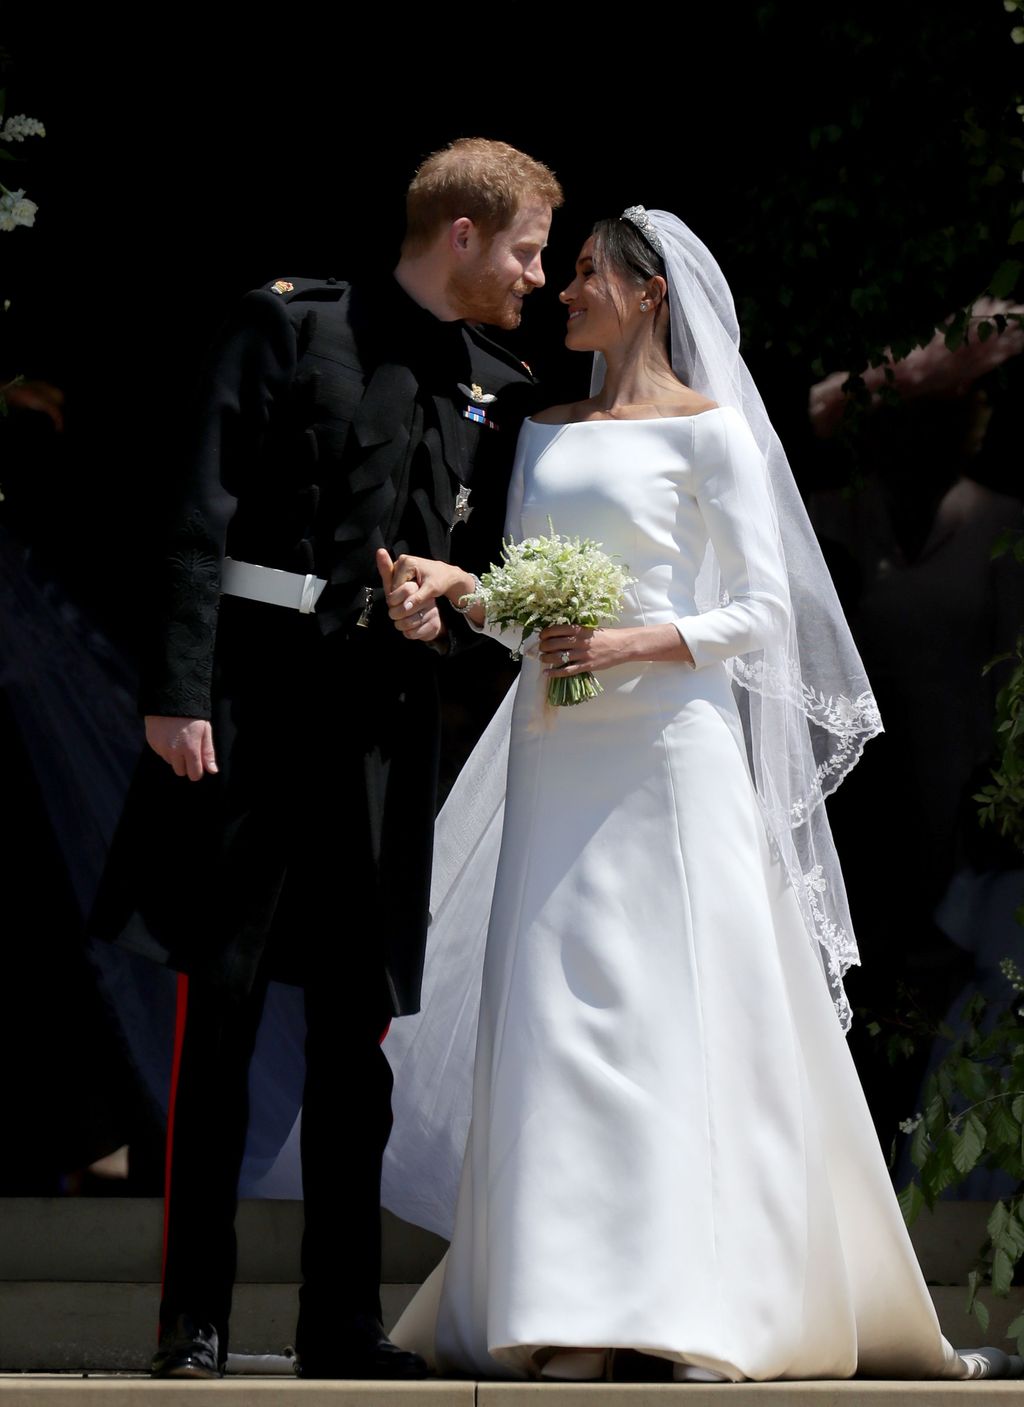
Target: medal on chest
pixel 478 398
pixel 462 508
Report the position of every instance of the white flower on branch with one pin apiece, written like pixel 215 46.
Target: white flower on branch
pixel 16 209
pixel 16 129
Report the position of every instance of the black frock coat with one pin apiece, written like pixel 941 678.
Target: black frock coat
pixel 334 423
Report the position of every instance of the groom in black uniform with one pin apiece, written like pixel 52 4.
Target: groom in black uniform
pixel 337 420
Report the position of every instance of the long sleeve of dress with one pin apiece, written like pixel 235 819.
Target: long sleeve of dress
pixel 730 484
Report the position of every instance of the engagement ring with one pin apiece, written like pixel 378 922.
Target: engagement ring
pixel 565 657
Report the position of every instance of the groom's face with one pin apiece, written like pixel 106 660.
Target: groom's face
pixel 490 285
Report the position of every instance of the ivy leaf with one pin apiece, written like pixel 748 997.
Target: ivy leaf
pixel 939 1171
pixel 911 1201
pixel 920 1145
pixel 969 1145
pixel 1006 1232
pixel 970 1078
pixel 1002 1126
pixel 997 1221
pixel 1015 1237
pixel 1004 280
pixel 980 1311
pixel 1017 233
pixel 1002 1273
pixel 1016 1329
pixel 976 1306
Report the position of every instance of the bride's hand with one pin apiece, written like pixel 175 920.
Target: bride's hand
pixel 401 580
pixel 574 649
pixel 417 583
pixel 595 650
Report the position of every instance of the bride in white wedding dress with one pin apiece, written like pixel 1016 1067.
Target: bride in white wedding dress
pixel 669 1150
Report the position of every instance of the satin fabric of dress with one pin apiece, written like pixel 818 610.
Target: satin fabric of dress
pixel 669 1148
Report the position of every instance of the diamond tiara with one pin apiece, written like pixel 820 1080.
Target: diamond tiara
pixel 638 216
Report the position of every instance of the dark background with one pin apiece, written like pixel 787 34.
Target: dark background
pixel 188 159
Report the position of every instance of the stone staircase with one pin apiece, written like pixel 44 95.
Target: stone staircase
pixel 80 1279
pixel 79 1295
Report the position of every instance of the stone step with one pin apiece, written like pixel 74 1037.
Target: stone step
pixel 54 1326
pixel 50 1391
pixel 78 1278
pixel 67 1326
pixel 116 1239
pixel 119 1239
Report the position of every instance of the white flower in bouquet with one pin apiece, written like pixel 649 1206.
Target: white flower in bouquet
pixel 554 580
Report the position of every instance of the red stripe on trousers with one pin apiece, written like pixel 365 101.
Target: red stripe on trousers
pixel 180 1013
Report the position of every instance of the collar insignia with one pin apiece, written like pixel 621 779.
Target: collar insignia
pixel 477 394
pixel 282 285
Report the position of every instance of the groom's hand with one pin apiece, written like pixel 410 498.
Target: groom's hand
pixel 185 744
pixel 400 580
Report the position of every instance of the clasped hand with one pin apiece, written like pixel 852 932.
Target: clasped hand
pixel 412 588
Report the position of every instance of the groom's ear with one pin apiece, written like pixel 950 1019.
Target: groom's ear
pixel 460 233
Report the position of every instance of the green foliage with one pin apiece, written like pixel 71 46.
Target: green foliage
pixel 974 1116
pixel 1016 1330
pixel 898 202
pixel 1002 801
pixel 973 1111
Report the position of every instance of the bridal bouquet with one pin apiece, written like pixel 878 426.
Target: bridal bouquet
pixel 554 580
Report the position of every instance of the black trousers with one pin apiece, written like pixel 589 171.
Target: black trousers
pixel 346 1120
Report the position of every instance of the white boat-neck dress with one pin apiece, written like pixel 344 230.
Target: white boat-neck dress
pixel 669 1148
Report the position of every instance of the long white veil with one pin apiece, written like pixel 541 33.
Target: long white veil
pixel 805 701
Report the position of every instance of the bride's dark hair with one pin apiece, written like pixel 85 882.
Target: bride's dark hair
pixel 624 247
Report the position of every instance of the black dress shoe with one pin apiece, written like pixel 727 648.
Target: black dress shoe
pixel 361 1349
pixel 188 1349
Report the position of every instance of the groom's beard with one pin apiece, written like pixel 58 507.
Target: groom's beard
pixel 477 296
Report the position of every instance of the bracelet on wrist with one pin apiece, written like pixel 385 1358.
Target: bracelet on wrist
pixel 458 606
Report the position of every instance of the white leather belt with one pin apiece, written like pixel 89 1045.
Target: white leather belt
pixel 267 584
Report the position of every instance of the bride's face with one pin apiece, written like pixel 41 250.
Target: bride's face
pixel 603 306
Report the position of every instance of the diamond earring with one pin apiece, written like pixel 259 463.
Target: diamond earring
pixel 644 306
